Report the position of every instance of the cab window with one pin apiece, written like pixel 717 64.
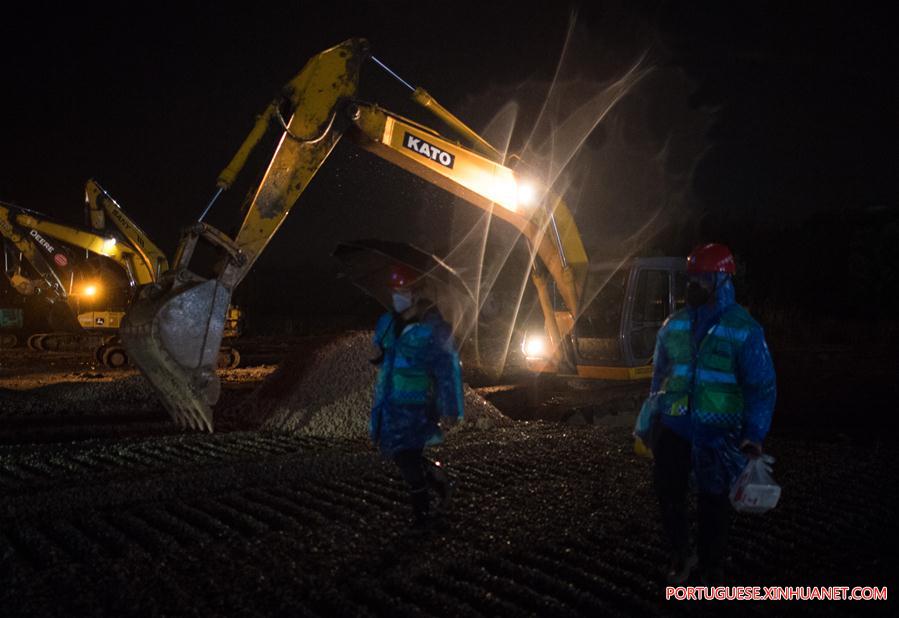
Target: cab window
pixel 597 328
pixel 649 311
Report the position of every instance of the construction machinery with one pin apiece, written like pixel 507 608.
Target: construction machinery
pixel 149 263
pixel 173 330
pixel 613 335
pixel 87 276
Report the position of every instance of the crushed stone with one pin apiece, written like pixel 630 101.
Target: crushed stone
pixel 327 392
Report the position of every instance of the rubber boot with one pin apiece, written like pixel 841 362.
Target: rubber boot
pixel 420 507
pixel 679 568
pixel 713 511
pixel 439 481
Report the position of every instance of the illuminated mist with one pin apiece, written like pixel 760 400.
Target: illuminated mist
pixel 614 134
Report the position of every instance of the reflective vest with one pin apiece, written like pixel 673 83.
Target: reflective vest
pixel 703 382
pixel 405 375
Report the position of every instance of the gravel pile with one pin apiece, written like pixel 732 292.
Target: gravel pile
pixel 327 391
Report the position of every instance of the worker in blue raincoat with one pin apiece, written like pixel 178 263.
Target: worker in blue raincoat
pixel 419 383
pixel 710 407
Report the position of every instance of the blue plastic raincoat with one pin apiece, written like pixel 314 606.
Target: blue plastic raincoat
pixel 716 455
pixel 419 383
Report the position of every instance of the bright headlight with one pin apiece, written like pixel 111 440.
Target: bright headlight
pixel 527 194
pixel 534 346
pixel 513 193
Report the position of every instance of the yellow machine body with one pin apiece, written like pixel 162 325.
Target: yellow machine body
pixel 171 333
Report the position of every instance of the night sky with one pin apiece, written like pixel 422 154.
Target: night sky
pixel 153 103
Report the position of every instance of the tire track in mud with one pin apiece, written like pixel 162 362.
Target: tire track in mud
pixel 483 602
pixel 613 570
pixel 242 522
pixel 420 593
pixel 45 469
pixel 373 492
pixel 154 528
pixel 570 559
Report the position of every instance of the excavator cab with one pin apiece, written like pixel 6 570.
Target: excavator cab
pixel 625 304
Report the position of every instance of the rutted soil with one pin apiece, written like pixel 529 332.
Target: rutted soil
pixel 549 519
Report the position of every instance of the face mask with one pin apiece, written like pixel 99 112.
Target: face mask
pixel 697 295
pixel 401 301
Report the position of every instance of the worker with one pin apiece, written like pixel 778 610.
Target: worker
pixel 419 384
pixel 712 395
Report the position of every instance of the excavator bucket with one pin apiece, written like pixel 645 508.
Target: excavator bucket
pixel 174 338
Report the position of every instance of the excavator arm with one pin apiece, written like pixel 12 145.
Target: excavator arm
pixel 101 207
pixel 139 272
pixel 49 283
pixel 141 260
pixel 542 218
pixel 173 331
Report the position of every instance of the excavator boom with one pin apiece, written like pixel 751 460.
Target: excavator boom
pixel 101 206
pixel 174 329
pixel 173 332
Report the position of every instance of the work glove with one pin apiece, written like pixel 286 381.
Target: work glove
pixel 641 449
pixel 753 450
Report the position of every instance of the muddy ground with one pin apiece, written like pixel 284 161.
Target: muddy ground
pixel 108 509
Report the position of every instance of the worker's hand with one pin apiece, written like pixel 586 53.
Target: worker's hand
pixel 753 450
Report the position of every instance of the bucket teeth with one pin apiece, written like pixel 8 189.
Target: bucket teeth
pixel 195 418
pixel 174 340
pixel 184 402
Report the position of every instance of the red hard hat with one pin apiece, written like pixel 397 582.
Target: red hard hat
pixel 711 258
pixel 402 276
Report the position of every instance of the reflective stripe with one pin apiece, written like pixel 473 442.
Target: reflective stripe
pixel 720 377
pixel 723 418
pixel 729 332
pixel 681 371
pixel 401 362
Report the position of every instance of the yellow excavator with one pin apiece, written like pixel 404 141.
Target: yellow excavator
pixel 76 269
pixel 173 330
pixel 101 209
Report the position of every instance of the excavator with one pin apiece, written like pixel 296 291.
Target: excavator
pixel 88 276
pixel 173 330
